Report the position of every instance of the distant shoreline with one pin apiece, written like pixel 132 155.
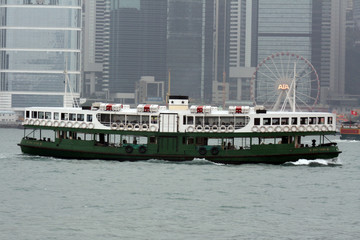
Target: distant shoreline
pixel 12 125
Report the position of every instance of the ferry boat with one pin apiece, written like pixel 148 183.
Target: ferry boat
pixel 350 130
pixel 237 135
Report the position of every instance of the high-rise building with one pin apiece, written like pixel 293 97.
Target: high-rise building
pixel 39 40
pixel 329 47
pixel 95 54
pixel 190 47
pixel 242 48
pixel 137 45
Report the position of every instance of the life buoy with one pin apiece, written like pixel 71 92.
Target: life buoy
pixel 309 128
pixel 255 129
pixel 114 126
pixel 286 129
pixel 207 128
pixel 270 129
pixel 222 128
pixel 329 128
pixel 136 127
pixel 31 122
pixel 214 128
pixel 129 149
pixel 153 128
pixel 37 122
pixel 42 123
pixel 316 128
pixel 83 125
pixel 199 128
pixel 90 125
pixel 121 126
pixel 214 150
pixel 230 128
pixel 62 124
pixel 278 129
pixel 190 129
pixel 142 149
pixel 323 128
pixel 202 151
pixel 56 123
pixel 262 129
pixel 49 123
pixel 301 128
pixel 76 125
pixel 144 127
pixel 69 124
pixel 129 126
pixel 294 129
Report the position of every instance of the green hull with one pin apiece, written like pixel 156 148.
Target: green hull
pixel 169 149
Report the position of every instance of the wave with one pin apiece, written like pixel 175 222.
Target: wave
pixel 316 163
pixel 196 161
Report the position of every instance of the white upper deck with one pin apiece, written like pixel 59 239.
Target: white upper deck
pixel 180 118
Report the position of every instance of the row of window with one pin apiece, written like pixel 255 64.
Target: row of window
pixel 293 121
pixel 58 116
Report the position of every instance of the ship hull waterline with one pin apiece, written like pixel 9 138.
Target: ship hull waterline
pixel 88 151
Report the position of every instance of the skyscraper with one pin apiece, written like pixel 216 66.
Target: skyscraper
pixel 95 57
pixel 137 45
pixel 190 47
pixel 39 39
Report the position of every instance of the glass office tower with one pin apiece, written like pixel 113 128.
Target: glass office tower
pixel 39 39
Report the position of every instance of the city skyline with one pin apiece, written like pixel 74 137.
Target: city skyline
pixel 211 50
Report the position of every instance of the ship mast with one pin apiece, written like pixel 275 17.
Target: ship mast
pixel 68 85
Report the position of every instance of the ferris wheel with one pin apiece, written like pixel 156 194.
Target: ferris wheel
pixel 283 79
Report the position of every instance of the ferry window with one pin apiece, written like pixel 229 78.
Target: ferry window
pixel 47 115
pixel 294 121
pixel 284 121
pixel 304 120
pixel 190 120
pixel 118 118
pixel 27 114
pixel 190 140
pixel 64 116
pixel 312 120
pixel 145 119
pixel 276 121
pixel 241 122
pixel 199 121
pixel 56 116
pixel 89 118
pixel 257 121
pixel 227 121
pixel 267 121
pixel 80 117
pixel 184 120
pixel 154 119
pixel 321 120
pixel 212 121
pixel 133 119
pixel 72 116
pixel 152 139
pixel 41 115
pixel 330 120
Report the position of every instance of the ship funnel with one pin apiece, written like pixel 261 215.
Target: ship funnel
pixel 178 102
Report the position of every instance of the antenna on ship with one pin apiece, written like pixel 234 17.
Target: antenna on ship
pixel 291 91
pixel 168 92
pixel 68 85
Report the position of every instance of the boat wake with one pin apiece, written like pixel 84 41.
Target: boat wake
pixel 196 161
pixel 316 163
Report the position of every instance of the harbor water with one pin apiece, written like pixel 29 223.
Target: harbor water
pixel 49 198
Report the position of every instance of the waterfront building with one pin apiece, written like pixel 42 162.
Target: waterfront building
pixel 39 40
pixel 137 45
pixel 190 34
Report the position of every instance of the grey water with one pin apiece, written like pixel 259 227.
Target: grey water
pixel 49 198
